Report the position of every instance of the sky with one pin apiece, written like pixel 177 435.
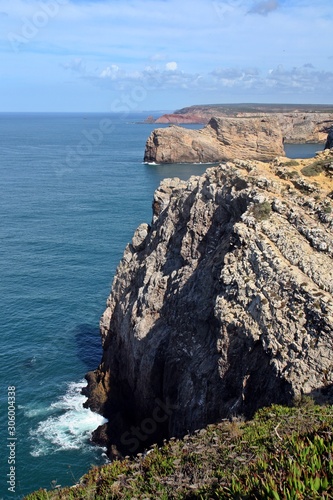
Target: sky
pixel 137 55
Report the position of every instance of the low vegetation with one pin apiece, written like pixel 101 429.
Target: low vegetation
pixel 283 453
pixel 262 211
pixel 317 167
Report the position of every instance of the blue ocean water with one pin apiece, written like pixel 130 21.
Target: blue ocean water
pixel 73 189
pixel 302 150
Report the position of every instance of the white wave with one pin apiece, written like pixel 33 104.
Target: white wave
pixel 70 425
pixel 36 412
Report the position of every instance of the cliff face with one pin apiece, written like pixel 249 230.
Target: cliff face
pixel 329 141
pixel 175 118
pixel 223 305
pixel 298 124
pixel 222 139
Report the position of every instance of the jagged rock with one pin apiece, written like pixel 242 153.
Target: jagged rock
pixel 223 305
pixel 221 140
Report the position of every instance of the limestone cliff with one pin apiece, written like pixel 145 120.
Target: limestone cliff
pixel 298 123
pixel 222 139
pixel 222 305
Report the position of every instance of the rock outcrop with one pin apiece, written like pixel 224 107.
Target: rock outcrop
pixel 298 123
pixel 221 140
pixel 222 305
pixel 329 141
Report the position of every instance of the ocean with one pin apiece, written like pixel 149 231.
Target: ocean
pixel 73 188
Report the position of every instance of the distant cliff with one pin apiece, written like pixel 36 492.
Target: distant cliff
pixel 222 305
pixel 222 139
pixel 298 123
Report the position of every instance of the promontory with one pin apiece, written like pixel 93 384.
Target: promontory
pixel 222 304
pixel 241 131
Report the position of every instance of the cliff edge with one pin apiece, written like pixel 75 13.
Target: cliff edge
pixel 222 305
pixel 299 123
pixel 221 140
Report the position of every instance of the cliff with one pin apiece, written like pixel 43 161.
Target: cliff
pixel 175 118
pixel 329 141
pixel 298 123
pixel 222 305
pixel 222 139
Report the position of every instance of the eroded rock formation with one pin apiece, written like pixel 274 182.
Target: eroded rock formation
pixel 222 139
pixel 298 123
pixel 220 306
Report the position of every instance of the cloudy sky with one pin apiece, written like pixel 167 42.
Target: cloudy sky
pixel 115 55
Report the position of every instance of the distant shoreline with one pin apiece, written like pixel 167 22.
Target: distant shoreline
pixel 201 113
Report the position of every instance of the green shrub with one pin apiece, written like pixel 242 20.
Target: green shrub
pixel 291 163
pixel 315 168
pixel 327 209
pixel 262 211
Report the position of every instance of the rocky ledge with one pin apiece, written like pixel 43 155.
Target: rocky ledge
pixel 221 140
pixel 222 305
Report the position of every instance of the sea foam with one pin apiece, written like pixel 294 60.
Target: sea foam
pixel 70 425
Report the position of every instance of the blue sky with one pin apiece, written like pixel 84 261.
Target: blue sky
pixel 133 55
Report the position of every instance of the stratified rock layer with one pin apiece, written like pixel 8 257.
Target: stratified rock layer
pixel 222 139
pixel 298 123
pixel 221 306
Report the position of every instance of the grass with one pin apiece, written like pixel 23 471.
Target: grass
pixel 283 453
pixel 291 163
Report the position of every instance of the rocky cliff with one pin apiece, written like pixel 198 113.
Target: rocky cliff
pixel 329 141
pixel 222 139
pixel 222 305
pixel 178 118
pixel 298 123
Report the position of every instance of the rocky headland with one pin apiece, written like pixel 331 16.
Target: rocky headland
pixel 298 123
pixel 243 131
pixel 222 305
pixel 221 140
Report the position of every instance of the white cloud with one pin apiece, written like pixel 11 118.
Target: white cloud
pixel 171 66
pixel 218 46
pixel 305 79
pixel 110 72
